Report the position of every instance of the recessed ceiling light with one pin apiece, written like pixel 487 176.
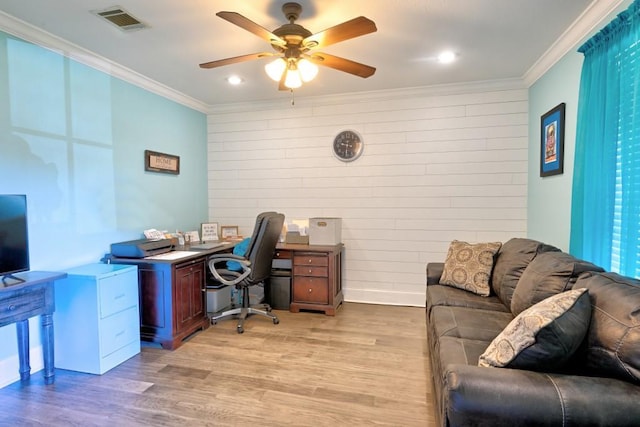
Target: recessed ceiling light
pixel 234 80
pixel 446 57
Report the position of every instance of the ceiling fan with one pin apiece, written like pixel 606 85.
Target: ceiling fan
pixel 294 46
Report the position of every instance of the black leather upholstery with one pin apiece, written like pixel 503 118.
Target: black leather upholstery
pixel 597 386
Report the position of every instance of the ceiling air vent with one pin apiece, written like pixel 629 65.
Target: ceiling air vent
pixel 120 18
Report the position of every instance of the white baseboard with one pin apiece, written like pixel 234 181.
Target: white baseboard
pixel 10 367
pixel 386 297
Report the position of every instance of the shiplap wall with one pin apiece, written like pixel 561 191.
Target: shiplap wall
pixel 438 164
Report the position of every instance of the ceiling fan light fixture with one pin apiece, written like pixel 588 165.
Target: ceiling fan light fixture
pixel 293 80
pixel 308 70
pixel 274 69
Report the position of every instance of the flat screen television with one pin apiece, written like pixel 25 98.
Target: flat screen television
pixel 14 241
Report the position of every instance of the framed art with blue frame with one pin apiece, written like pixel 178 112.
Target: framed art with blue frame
pixel 552 141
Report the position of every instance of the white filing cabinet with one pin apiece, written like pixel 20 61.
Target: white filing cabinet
pixel 96 322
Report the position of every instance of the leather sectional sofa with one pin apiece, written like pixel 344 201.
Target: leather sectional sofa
pixel 595 382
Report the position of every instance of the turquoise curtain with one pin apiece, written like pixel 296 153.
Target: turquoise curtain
pixel 605 209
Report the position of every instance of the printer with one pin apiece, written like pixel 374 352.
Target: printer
pixel 140 248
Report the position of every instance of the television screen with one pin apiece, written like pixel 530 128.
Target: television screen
pixel 14 242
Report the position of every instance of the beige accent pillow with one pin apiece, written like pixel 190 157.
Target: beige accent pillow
pixel 544 336
pixel 468 266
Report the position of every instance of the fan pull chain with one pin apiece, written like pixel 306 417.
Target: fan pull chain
pixel 293 98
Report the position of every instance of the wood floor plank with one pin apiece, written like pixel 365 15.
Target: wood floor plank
pixel 366 366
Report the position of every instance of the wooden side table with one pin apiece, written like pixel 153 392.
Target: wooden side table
pixel 21 300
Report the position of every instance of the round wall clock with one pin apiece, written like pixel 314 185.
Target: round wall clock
pixel 348 145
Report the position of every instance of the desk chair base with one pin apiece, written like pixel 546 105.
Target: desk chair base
pixel 243 312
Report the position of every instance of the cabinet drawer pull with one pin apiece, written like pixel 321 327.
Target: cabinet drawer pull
pixel 310 290
pixel 310 260
pixel 119 296
pixel 120 333
pixel 12 307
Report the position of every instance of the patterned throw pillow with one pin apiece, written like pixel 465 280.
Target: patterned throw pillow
pixel 544 336
pixel 468 266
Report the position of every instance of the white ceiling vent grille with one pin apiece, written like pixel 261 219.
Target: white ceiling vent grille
pixel 120 18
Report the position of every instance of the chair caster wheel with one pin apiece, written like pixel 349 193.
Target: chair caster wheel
pixel 276 321
pixel 240 329
pixel 214 322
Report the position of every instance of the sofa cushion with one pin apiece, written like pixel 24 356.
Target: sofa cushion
pixel 548 274
pixel 613 341
pixel 438 295
pixel 462 351
pixel 544 336
pixel 468 323
pixel 512 259
pixel 468 266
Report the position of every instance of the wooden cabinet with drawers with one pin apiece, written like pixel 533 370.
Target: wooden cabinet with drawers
pixel 316 277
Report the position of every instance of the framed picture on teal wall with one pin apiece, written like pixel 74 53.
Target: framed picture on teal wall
pixel 552 141
pixel 161 162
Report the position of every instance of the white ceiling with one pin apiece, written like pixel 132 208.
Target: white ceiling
pixel 495 39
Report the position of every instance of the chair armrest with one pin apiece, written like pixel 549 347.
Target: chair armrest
pixel 434 272
pixel 238 276
pixel 226 256
pixel 512 397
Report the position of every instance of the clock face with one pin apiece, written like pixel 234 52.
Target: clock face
pixel 348 145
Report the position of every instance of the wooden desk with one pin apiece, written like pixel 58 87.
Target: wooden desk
pixel 172 295
pixel 22 300
pixel 316 282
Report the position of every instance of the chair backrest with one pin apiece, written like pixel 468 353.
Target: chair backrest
pixel 263 245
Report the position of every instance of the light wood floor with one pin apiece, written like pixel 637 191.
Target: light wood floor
pixel 365 366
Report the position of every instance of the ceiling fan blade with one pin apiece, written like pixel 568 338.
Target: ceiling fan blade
pixel 342 64
pixel 235 59
pixel 252 27
pixel 347 30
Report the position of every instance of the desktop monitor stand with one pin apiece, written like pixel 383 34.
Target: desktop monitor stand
pixel 11 276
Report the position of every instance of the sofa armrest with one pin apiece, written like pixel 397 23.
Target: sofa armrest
pixel 434 272
pixel 510 397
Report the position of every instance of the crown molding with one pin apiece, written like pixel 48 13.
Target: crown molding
pixel 32 34
pixel 582 27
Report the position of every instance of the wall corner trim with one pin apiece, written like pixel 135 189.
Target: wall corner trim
pixel 586 23
pixel 35 35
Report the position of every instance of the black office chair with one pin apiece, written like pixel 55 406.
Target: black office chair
pixel 256 268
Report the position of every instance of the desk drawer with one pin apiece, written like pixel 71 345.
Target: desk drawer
pixel 311 290
pixel 310 270
pixel 119 330
pixel 117 293
pixel 321 260
pixel 21 304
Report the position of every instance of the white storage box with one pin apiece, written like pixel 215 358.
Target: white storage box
pixel 325 231
pixel 218 299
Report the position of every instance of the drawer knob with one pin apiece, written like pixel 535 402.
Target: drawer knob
pixel 309 260
pixel 12 307
pixel 310 271
pixel 310 290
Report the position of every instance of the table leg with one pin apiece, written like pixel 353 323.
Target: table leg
pixel 22 327
pixel 47 348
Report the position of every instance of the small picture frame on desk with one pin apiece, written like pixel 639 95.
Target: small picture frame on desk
pixel 209 231
pixel 229 232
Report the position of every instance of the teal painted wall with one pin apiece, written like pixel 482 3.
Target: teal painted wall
pixel 73 138
pixel 549 198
